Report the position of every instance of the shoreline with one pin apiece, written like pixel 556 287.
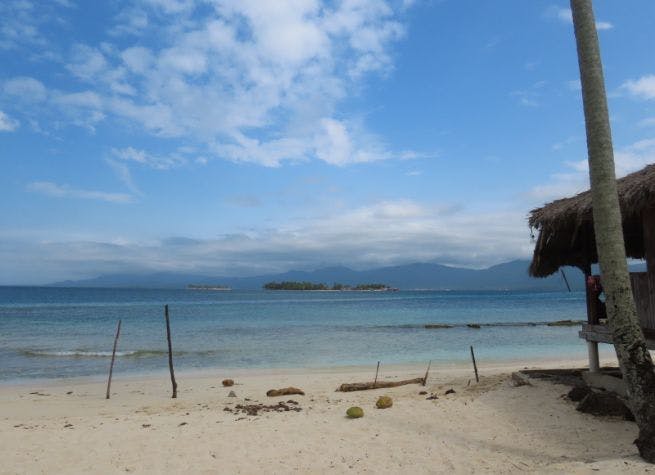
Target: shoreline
pixel 443 367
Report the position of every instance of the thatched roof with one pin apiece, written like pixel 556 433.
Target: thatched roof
pixel 566 228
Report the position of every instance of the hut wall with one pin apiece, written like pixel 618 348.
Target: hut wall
pixel 643 289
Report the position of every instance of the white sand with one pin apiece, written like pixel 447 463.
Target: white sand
pixel 485 427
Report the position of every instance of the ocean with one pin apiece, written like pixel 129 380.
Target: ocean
pixel 67 332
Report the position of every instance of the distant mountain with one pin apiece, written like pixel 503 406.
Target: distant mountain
pixel 507 276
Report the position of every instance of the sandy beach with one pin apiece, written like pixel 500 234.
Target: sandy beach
pixel 66 426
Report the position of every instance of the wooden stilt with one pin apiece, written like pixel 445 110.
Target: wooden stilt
pixel 113 357
pixel 594 360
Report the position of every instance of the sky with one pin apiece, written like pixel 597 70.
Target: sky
pixel 246 137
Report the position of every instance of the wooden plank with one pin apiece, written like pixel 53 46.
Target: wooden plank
pixel 597 333
pixel 602 334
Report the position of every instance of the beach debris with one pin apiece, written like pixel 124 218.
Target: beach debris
pixel 284 392
pixel 68 426
pixel 578 393
pixel 182 424
pixel 349 387
pixel 39 393
pixel 69 392
pixel 355 412
pixel 519 379
pixel 604 403
pixel 227 383
pixel 434 326
pixel 450 391
pixel 232 394
pixel 384 402
pixel 291 401
pixel 145 426
pixel 255 409
pixel 474 325
pixel 422 393
pixel 432 397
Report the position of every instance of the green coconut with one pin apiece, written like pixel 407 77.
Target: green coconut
pixel 384 402
pixel 355 412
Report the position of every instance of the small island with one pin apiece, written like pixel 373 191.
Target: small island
pixel 207 287
pixel 292 285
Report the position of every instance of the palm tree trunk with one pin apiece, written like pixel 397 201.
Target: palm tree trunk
pixel 629 343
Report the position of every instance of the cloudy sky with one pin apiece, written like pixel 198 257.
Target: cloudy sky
pixel 249 136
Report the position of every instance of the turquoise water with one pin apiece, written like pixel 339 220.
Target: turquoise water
pixel 57 332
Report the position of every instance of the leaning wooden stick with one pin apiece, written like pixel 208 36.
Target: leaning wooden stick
pixel 113 357
pixel 427 371
pixel 170 352
pixel 348 387
pixel 475 366
pixel 376 374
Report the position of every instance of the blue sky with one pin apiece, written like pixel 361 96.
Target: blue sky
pixel 242 137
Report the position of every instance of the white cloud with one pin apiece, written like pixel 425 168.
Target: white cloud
pixel 130 154
pixel 87 63
pixel 251 81
pixel 644 87
pixel 564 15
pixel 25 88
pixel 123 173
pixel 530 97
pixel 83 99
pixel 7 124
pixel 19 24
pixel 380 233
pixel 64 191
pixel 334 145
pixel 576 179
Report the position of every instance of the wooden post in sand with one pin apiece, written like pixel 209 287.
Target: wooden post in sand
pixel 376 375
pixel 113 357
pixel 475 366
pixel 427 371
pixel 170 352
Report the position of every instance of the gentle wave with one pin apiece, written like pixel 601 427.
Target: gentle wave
pixel 93 354
pixel 446 325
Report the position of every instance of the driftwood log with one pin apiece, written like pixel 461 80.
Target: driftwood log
pixel 284 392
pixel 348 387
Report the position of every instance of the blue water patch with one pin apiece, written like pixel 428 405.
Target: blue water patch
pixel 56 332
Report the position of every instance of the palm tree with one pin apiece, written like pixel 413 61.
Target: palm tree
pixel 629 343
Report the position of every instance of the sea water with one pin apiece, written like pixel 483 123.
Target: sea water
pixel 61 332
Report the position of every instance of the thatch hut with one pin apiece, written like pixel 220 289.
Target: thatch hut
pixel 565 237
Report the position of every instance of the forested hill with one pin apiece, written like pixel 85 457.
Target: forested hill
pixel 508 276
